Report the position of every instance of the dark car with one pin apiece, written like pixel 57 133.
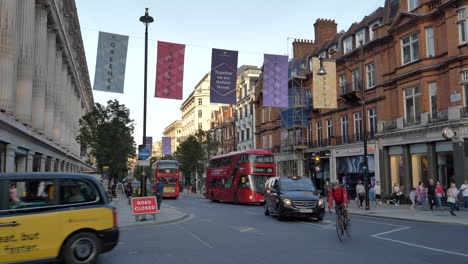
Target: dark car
pixel 293 197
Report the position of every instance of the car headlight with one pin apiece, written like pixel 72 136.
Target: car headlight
pixel 320 203
pixel 287 202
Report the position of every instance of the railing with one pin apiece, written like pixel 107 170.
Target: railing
pixel 412 121
pixel 434 3
pixel 437 117
pixel 464 112
pixel 347 89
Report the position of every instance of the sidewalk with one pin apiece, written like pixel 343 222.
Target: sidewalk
pixel 404 212
pixel 167 214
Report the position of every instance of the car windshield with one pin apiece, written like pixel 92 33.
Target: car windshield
pixel 303 184
pixel 258 182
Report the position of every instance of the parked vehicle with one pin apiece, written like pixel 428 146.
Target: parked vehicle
pixel 293 197
pixel 54 216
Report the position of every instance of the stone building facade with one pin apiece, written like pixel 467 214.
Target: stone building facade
pixel 44 88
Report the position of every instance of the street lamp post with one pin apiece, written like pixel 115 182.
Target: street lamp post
pixel 146 19
pixel 360 83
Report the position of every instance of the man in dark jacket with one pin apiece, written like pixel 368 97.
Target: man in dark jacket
pixel 158 191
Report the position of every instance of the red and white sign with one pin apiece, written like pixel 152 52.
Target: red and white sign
pixel 144 205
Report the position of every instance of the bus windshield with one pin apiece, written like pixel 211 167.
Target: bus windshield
pixel 255 182
pixel 167 167
pixel 255 158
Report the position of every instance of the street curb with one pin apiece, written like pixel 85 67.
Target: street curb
pixel 152 223
pixel 410 220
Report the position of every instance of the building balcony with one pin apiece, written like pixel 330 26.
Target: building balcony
pixel 350 93
pixel 438 117
pixel 412 121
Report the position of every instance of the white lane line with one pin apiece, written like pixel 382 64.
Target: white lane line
pixel 199 239
pixel 247 229
pixel 391 231
pixel 378 223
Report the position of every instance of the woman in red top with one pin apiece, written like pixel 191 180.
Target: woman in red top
pixel 439 193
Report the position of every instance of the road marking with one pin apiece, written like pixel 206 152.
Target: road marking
pixel 199 239
pixel 366 221
pixel 247 229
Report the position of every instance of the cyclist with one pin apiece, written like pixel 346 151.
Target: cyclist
pixel 340 196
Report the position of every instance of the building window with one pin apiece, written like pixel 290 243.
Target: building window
pixel 430 42
pixel 464 76
pixel 309 133
pixel 318 126
pixel 242 135
pixel 343 84
pixel 264 142
pixel 248 133
pixel 372 121
pixel 410 48
pixel 360 37
pixel 246 112
pixel 263 114
pixel 358 126
pixel 344 128
pixel 329 130
pixel 200 126
pixel 200 113
pixel 269 113
pixel 370 68
pixel 270 141
pixel 348 45
pixel 412 104
pixel 200 101
pixel 433 98
pixel 413 4
pixel 462 27
pixel 356 80
pixel 371 31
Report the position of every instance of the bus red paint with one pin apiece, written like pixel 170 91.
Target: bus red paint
pixel 239 176
pixel 169 173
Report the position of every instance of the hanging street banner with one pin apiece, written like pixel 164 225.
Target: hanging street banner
pixel 149 143
pixel 169 70
pixel 324 89
pixel 275 80
pixel 110 62
pixel 223 76
pixel 166 146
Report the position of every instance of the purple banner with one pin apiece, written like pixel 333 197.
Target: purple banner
pixel 223 76
pixel 275 80
pixel 149 143
pixel 166 146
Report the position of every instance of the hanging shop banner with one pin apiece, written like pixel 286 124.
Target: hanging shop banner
pixel 166 146
pixel 170 70
pixel 149 143
pixel 110 62
pixel 275 80
pixel 223 76
pixel 324 90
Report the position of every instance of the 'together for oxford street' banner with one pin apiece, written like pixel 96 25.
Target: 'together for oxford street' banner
pixel 275 80
pixel 324 91
pixel 166 146
pixel 223 76
pixel 110 62
pixel 170 70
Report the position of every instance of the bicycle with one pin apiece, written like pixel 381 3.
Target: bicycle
pixel 343 223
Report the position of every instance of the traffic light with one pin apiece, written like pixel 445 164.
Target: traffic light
pixel 317 166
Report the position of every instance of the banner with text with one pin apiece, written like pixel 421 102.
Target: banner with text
pixel 275 80
pixel 170 70
pixel 110 62
pixel 324 91
pixel 166 146
pixel 223 76
pixel 149 143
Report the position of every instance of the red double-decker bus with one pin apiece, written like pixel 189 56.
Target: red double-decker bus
pixel 239 176
pixel 168 172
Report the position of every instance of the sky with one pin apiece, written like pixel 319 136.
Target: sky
pixel 252 27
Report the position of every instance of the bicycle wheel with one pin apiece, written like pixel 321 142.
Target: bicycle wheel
pixel 339 228
pixel 348 228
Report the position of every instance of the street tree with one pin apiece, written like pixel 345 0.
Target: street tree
pixel 107 133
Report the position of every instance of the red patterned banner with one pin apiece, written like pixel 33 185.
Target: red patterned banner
pixel 170 70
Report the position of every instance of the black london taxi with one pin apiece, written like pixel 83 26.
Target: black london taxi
pixel 49 217
pixel 293 196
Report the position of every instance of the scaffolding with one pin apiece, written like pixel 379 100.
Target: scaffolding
pixel 294 120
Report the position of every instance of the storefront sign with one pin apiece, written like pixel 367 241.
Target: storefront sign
pixel 144 205
pixel 355 151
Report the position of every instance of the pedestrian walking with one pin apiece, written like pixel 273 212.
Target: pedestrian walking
pixel 378 193
pixel 396 194
pixel 413 194
pixel 464 190
pixel 421 195
pixel 360 192
pixel 452 198
pixel 439 193
pixel 431 193
pixel 158 191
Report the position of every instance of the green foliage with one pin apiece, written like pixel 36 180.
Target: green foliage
pixel 107 132
pixel 149 171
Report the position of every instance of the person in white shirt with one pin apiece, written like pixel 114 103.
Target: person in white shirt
pixel 378 193
pixel 464 190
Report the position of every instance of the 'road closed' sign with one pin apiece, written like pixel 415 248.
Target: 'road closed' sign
pixel 144 205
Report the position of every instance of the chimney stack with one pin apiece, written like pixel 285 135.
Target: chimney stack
pixel 302 47
pixel 325 30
